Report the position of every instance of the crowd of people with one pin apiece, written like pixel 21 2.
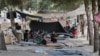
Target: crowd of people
pixel 39 37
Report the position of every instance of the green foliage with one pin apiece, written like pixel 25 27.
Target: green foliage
pixel 67 4
pixel 38 4
pixel 44 4
pixel 14 2
pixel 2 4
pixel 31 4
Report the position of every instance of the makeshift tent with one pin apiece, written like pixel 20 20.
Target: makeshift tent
pixel 49 27
pixel 23 15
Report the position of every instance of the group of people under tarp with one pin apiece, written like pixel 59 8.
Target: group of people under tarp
pixel 39 37
pixel 72 30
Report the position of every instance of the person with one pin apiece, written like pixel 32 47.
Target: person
pixel 74 31
pixel 26 36
pixel 38 37
pixel 44 42
pixel 68 28
pixel 17 26
pixel 31 36
pixel 53 37
pixel 18 32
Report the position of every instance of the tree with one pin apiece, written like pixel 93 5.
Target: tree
pixel 2 4
pixel 89 21
pixel 38 5
pixel 67 5
pixel 58 5
pixel 96 29
pixel 99 25
pixel 2 41
pixel 12 4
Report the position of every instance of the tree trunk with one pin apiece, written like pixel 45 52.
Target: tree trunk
pixel 82 24
pixel 89 22
pixel 96 34
pixel 2 41
pixel 99 39
pixel 12 22
pixel 99 25
pixel 79 23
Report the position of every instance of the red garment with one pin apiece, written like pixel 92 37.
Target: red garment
pixel 74 33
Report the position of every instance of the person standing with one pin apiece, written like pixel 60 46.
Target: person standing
pixel 26 34
pixel 18 32
pixel 31 36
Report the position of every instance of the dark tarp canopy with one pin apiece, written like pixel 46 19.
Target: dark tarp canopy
pixel 23 15
pixel 49 27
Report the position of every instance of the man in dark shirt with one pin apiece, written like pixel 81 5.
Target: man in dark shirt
pixel 18 32
pixel 17 26
pixel 26 35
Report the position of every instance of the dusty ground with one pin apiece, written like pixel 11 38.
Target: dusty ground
pixel 74 44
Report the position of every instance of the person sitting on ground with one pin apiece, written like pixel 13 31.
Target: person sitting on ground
pixel 31 34
pixel 53 37
pixel 68 28
pixel 44 42
pixel 74 31
pixel 38 37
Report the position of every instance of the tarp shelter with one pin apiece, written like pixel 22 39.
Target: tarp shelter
pixel 23 15
pixel 46 26
pixel 49 27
